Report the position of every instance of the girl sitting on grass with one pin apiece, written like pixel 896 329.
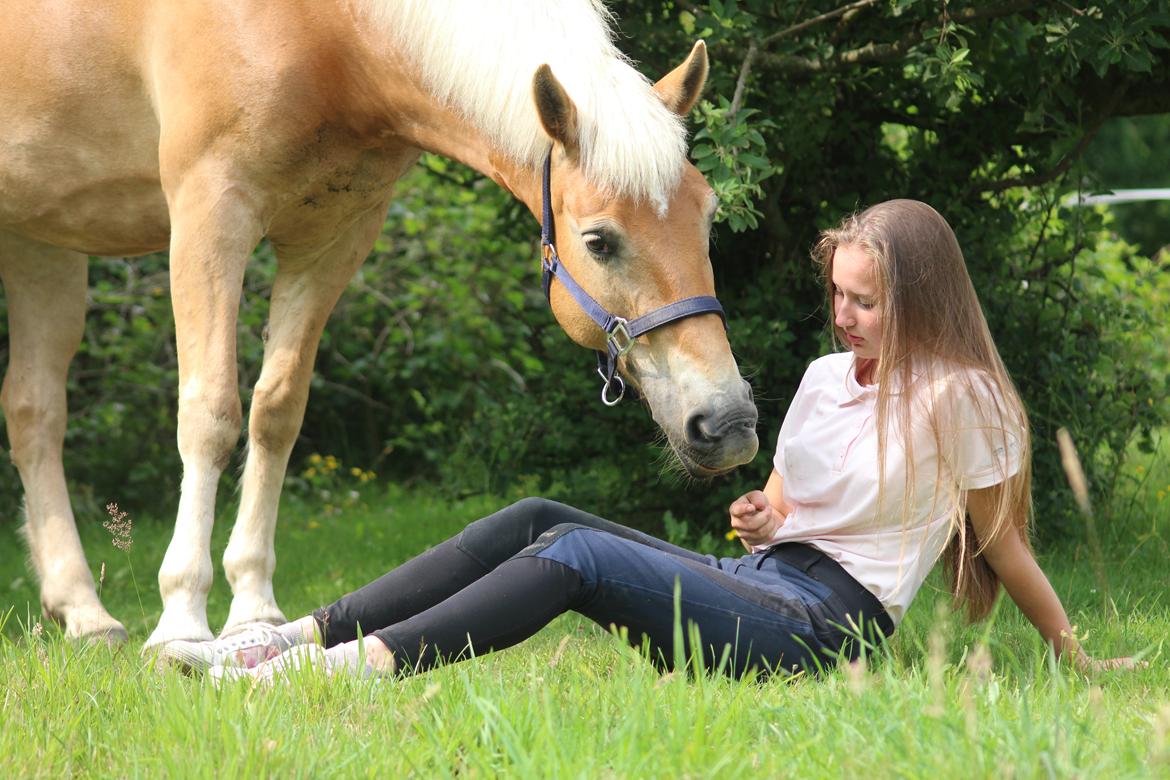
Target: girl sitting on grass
pixel 911 446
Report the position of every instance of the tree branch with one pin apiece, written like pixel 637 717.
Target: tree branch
pixel 887 52
pixel 770 39
pixel 741 82
pixel 754 47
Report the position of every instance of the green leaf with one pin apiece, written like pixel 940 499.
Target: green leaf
pixel 754 160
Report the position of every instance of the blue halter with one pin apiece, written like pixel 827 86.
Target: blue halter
pixel 620 333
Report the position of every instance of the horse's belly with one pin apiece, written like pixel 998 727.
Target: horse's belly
pixel 79 138
pixel 86 180
pixel 116 217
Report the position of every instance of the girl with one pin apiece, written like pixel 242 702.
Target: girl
pixel 910 446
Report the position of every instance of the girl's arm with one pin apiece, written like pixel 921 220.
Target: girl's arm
pixel 1021 576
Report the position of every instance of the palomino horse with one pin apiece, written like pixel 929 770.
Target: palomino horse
pixel 131 125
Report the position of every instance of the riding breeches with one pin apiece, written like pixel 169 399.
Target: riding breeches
pixel 510 573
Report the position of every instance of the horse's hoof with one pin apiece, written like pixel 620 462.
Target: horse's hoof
pixel 115 636
pixel 96 626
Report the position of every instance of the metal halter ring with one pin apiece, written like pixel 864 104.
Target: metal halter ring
pixel 609 383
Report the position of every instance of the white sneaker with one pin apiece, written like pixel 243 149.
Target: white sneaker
pixel 248 647
pixel 298 660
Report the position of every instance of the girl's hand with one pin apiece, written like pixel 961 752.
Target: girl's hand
pixel 754 519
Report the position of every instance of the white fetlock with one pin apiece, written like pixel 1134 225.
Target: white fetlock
pixel 248 611
pixel 179 623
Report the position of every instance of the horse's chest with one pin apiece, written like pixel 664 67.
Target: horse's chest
pixel 330 186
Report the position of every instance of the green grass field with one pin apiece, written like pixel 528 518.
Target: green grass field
pixel 945 701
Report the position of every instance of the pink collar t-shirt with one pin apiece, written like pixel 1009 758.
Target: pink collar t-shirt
pixel 827 453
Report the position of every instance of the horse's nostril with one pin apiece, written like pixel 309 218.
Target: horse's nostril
pixel 699 430
pixel 706 430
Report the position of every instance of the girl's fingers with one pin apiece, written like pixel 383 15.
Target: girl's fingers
pixel 1112 664
pixel 760 527
pixel 741 505
pixel 749 524
pixel 758 499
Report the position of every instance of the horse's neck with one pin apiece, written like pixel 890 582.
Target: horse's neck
pixel 420 120
pixel 451 136
pixel 436 128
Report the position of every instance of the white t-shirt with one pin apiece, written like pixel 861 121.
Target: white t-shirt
pixel 827 453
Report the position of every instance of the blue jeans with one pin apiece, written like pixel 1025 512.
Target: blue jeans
pixel 507 575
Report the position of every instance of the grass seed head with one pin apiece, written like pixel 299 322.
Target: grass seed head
pixel 120 526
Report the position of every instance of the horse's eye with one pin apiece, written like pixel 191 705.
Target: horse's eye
pixel 599 245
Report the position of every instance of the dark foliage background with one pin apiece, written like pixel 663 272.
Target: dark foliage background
pixel 442 364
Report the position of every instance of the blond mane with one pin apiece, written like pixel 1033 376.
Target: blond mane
pixel 479 58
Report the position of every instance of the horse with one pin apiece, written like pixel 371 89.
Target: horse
pixel 202 126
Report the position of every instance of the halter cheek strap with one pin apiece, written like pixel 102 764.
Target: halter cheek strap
pixel 620 333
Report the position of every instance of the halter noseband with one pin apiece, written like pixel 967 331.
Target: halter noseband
pixel 620 333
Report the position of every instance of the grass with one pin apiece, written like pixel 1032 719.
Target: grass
pixel 946 701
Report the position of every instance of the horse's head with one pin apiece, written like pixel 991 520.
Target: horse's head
pixel 635 254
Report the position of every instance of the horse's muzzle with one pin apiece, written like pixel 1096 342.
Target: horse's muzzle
pixel 721 434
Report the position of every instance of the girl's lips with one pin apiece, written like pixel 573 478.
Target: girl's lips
pixel 854 339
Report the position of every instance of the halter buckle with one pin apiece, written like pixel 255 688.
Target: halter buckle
pixel 618 339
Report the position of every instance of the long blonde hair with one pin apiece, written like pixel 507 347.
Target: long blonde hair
pixel 934 335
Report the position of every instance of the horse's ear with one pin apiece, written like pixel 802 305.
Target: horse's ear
pixel 555 108
pixel 680 88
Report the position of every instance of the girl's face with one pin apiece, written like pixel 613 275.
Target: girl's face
pixel 855 302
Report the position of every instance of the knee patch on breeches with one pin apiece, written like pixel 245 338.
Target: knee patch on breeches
pixel 571 544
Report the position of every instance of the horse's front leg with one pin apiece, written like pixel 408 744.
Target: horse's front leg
pixel 306 289
pixel 214 227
